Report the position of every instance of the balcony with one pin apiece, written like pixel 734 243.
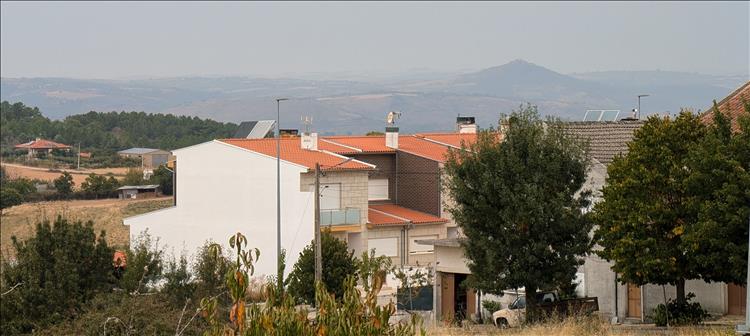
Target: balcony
pixel 348 216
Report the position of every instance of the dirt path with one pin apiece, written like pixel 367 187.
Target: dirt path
pixel 106 214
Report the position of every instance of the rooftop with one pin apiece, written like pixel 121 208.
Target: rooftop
pixel 42 144
pixel 138 187
pixel 606 139
pixel 732 106
pixel 292 151
pixel 391 214
pixel 356 144
pixel 138 151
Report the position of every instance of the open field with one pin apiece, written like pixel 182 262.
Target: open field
pixel 45 174
pixel 107 214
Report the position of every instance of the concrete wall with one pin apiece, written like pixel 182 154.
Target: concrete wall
pixel 353 188
pixel 223 189
pixel 418 230
pixel 712 296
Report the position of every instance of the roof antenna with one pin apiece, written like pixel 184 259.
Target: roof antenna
pixel 307 120
pixel 392 117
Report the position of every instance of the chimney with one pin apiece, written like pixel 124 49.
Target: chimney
pixel 466 125
pixel 391 137
pixel 309 141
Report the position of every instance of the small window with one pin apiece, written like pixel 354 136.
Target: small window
pixel 377 189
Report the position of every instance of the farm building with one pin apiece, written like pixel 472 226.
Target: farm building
pixel 139 191
pixel 150 158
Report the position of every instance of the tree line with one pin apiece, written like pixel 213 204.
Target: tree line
pixel 107 132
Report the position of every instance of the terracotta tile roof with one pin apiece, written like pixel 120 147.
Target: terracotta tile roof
pixel 391 214
pixel 42 144
pixel 606 139
pixel 450 139
pixel 732 106
pixel 358 144
pixel 424 148
pixel 291 151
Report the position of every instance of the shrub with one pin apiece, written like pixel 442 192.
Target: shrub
pixel 338 263
pixel 54 273
pixel 210 266
pixel 680 313
pixel 179 285
pixel 144 264
pixel 491 306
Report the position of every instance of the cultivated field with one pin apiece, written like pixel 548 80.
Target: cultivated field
pixel 106 214
pixel 45 174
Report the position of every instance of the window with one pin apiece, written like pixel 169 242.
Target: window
pixel 384 246
pixel 415 248
pixel 377 189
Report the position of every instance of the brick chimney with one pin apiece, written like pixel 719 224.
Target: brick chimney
pixel 309 141
pixel 391 137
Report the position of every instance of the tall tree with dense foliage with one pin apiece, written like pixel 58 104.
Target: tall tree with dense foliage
pixel 163 177
pixel 675 207
pixel 516 202
pixel 54 273
pixel 719 189
pixel 338 263
pixel 100 186
pixel 64 184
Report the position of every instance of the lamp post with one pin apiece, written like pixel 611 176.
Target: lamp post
pixel 639 104
pixel 279 270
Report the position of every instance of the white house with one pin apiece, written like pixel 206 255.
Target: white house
pixel 229 186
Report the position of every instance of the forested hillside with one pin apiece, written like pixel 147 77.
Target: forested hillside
pixel 107 132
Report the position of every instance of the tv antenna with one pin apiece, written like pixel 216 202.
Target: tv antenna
pixel 307 120
pixel 392 117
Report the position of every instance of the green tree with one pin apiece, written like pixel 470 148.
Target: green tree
pixel 55 272
pixel 515 200
pixel 9 197
pixel 163 177
pixel 145 264
pixel 719 190
pixel 64 184
pixel 338 263
pixel 100 186
pixel 647 208
pixel 133 177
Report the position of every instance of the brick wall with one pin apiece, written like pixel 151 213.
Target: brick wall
pixel 418 183
pixel 386 168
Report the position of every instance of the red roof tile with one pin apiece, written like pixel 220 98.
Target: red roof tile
pixel 391 214
pixel 291 151
pixel 450 139
pixel 359 144
pixel 42 144
pixel 731 106
pixel 424 148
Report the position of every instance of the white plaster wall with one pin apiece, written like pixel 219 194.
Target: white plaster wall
pixel 223 189
pixel 451 260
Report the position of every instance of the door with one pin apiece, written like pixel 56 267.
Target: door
pixel 634 301
pixel 737 299
pixel 447 296
pixel 471 302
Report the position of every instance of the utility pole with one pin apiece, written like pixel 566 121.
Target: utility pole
pixel 78 167
pixel 318 246
pixel 279 269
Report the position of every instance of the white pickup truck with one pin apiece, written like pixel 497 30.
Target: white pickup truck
pixel 515 314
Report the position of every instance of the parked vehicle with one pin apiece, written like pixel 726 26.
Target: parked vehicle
pixel 549 304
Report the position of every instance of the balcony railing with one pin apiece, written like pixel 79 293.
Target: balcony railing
pixel 348 216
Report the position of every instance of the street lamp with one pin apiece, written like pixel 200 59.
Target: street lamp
pixel 280 272
pixel 639 104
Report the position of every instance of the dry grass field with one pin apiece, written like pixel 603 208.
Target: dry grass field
pixel 585 327
pixel 45 174
pixel 106 214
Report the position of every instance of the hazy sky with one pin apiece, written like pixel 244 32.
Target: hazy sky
pixel 118 40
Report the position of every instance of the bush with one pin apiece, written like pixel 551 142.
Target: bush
pixel 144 264
pixel 338 263
pixel 55 273
pixel 179 285
pixel 680 313
pixel 211 268
pixel 491 306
